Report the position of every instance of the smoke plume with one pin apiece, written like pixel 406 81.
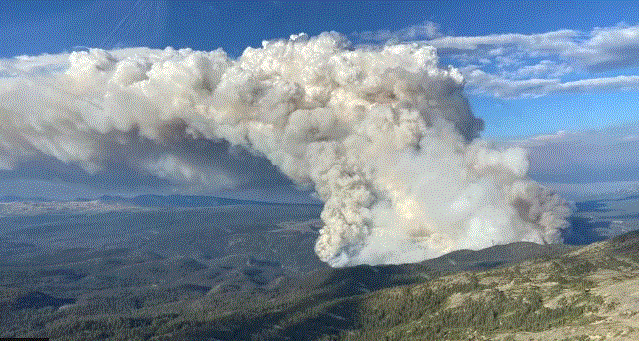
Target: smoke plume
pixel 383 134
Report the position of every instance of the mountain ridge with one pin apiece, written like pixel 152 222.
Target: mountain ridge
pixel 158 200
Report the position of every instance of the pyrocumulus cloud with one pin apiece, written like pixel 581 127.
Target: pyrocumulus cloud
pixel 383 134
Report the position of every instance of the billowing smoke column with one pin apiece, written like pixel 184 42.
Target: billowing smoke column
pixel 384 135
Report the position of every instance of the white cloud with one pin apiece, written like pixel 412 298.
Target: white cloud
pixel 599 50
pixel 582 191
pixel 607 136
pixel 543 68
pixel 601 155
pixel 618 83
pixel 608 48
pixel 483 83
pixel 425 30
pixel 515 65
pixel 550 41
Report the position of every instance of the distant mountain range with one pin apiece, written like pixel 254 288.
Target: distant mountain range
pixel 13 198
pixel 175 200
pixel 154 200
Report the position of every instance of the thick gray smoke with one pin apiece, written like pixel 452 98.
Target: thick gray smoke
pixel 384 136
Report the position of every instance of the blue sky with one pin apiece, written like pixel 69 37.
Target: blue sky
pixel 532 67
pixel 54 26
